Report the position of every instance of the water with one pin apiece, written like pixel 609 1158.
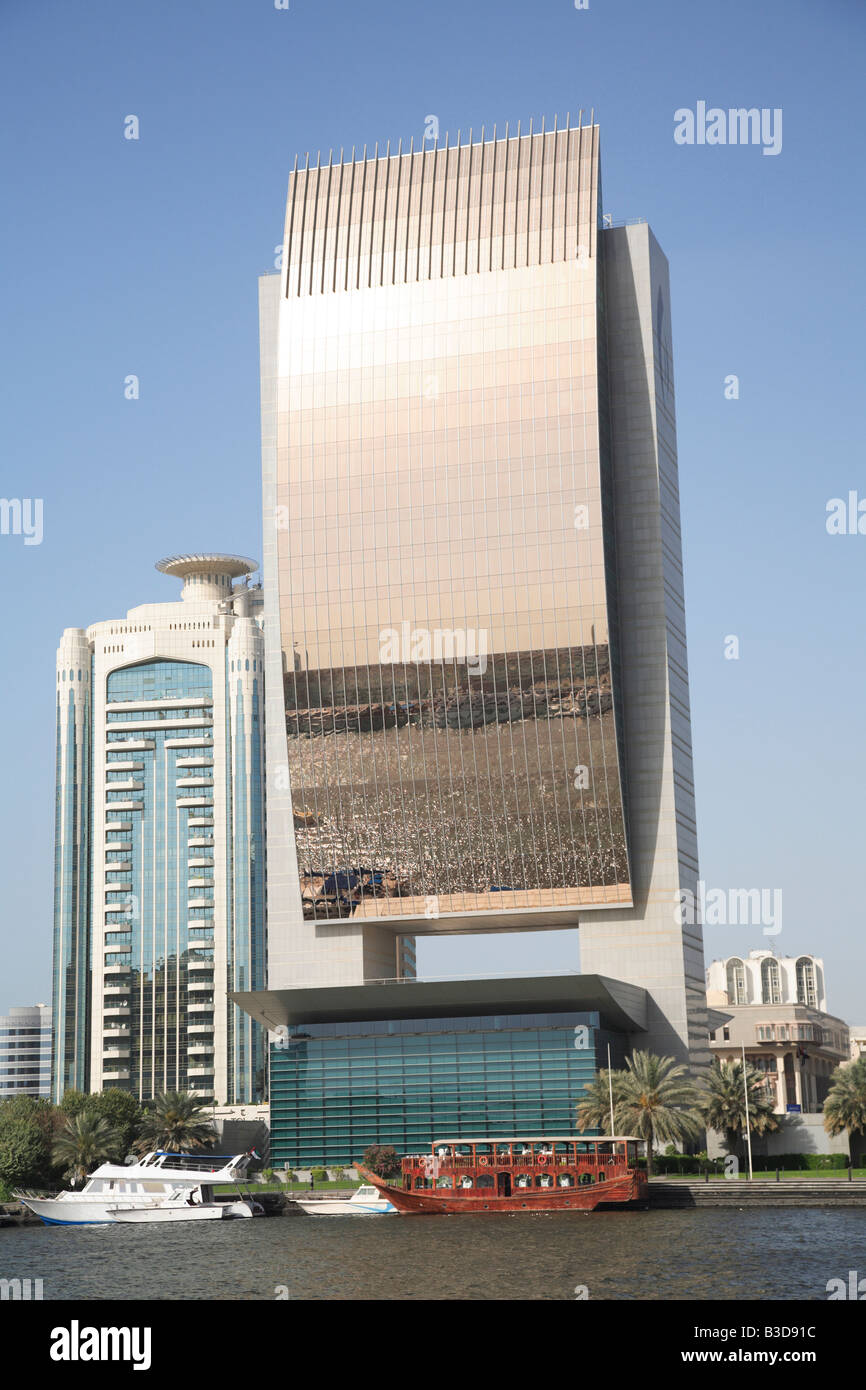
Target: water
pixel 708 1254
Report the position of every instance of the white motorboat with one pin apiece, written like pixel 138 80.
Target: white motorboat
pixel 186 1205
pixel 366 1201
pixel 115 1187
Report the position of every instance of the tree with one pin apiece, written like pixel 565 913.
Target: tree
pixel 175 1120
pixel 24 1153
pixel 845 1106
pixel 73 1102
pixel 723 1102
pixel 85 1141
pixel 593 1110
pixel 382 1160
pixel 653 1098
pixel 656 1100
pixel 121 1110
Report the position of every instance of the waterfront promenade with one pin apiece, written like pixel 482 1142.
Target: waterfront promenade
pixel 761 1191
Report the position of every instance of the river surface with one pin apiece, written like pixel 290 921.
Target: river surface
pixel 707 1254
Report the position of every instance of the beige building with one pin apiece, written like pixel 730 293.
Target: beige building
pixel 778 1010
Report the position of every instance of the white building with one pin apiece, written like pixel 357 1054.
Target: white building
pixel 25 1052
pixel 776 1009
pixel 765 978
pixel 160 882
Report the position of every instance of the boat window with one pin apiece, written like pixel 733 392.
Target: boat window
pixel 485 1180
pixel 544 1180
pixel 444 1182
pixel 366 1192
pixel 523 1179
pixel 566 1180
pixel 466 1181
pixel 420 1182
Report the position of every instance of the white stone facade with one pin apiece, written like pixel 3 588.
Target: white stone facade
pixel 134 865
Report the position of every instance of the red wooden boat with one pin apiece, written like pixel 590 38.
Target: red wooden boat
pixel 463 1175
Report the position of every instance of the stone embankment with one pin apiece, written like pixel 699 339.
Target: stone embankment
pixel 13 1214
pixel 761 1192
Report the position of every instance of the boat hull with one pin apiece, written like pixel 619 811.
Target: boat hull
pixel 347 1208
pixel 56 1212
pixel 431 1201
pixel 159 1215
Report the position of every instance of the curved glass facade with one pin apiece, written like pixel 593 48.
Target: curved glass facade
pixel 339 1087
pixel 151 921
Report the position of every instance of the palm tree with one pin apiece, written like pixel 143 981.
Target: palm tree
pixel 845 1106
pixel 175 1120
pixel 593 1111
pixel 85 1141
pixel 656 1100
pixel 723 1104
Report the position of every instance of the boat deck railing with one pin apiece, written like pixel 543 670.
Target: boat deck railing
pixel 586 1162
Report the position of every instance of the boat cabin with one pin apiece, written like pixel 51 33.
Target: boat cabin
pixel 507 1166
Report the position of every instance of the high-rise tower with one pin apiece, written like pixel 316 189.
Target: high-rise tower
pixel 477 685
pixel 160 873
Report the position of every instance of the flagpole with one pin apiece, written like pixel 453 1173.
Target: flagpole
pixel 748 1126
pixel 610 1085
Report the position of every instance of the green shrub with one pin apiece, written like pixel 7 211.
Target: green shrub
pixel 319 1174
pixel 24 1155
pixel 799 1163
pixel 675 1163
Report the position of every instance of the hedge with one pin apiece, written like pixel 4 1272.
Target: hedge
pixel 761 1163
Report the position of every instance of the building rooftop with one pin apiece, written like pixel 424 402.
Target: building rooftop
pixel 206 562
pixel 622 1006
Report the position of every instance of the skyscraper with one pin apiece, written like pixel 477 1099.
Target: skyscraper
pixel 160 874
pixel 25 1052
pixel 472 563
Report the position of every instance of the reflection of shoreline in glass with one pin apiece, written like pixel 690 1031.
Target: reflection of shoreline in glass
pixel 492 792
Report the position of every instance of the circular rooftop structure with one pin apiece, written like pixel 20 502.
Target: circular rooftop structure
pixel 207 563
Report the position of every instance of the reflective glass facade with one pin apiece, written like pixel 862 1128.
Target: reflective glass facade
pixel 154 923
pixel 339 1087
pixel 71 987
pixel 446 578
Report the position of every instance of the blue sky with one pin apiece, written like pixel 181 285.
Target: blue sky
pixel 141 257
